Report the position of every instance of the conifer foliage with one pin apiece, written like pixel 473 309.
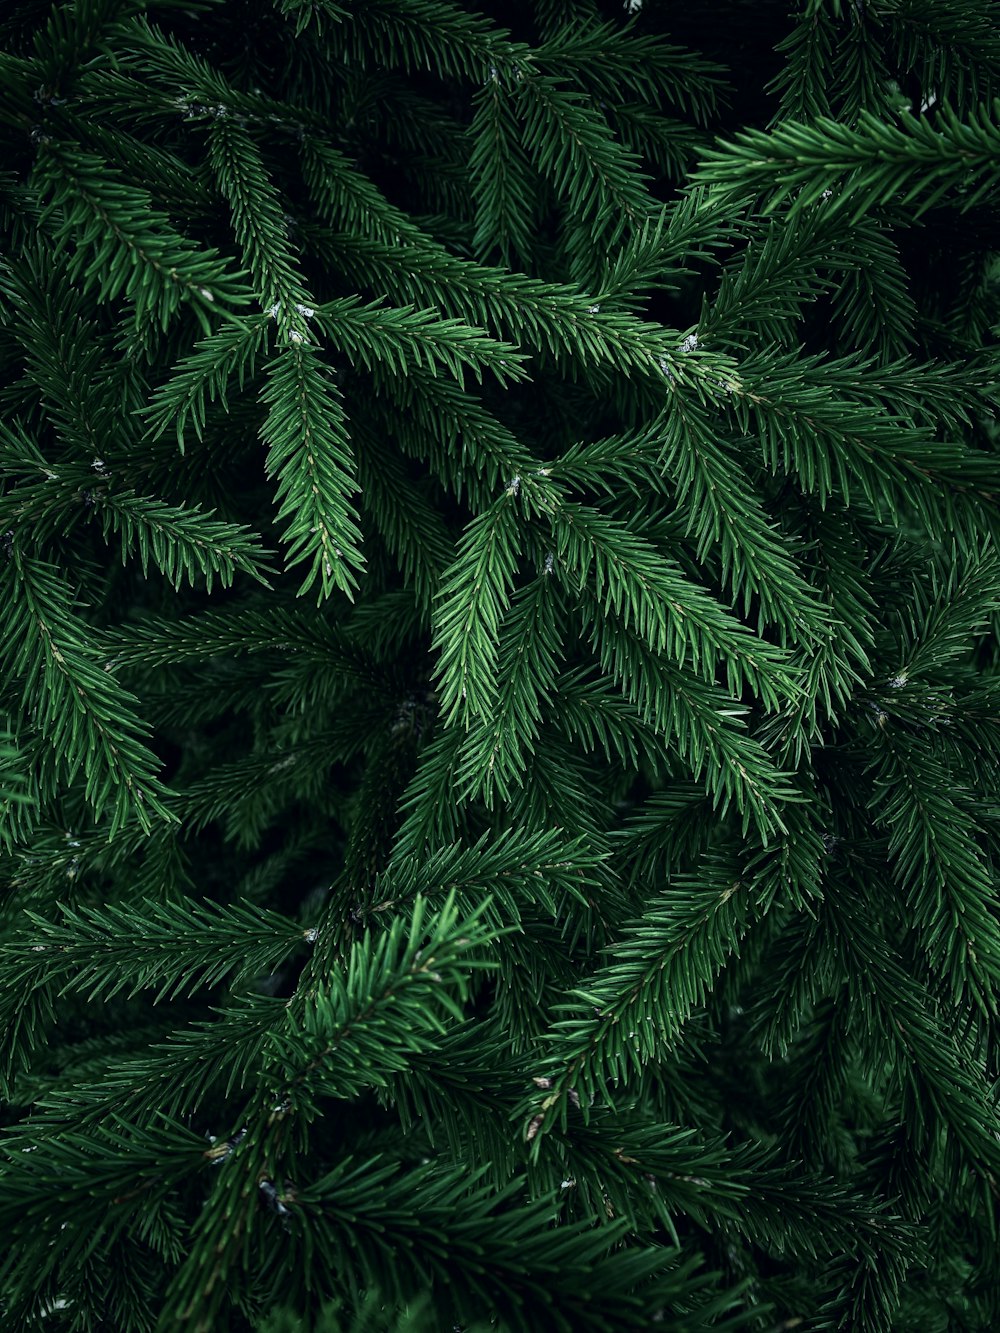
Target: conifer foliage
pixel 499 724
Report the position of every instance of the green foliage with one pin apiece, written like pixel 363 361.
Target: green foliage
pixel 499 748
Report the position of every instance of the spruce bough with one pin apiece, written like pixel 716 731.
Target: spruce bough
pixel 499 730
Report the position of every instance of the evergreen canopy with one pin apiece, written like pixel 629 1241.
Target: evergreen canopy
pixel 500 803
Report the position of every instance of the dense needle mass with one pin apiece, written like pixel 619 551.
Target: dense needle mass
pixel 499 713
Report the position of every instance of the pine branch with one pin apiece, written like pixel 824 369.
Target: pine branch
pixel 570 144
pixel 635 583
pixel 309 451
pixel 528 648
pixel 259 224
pixel 606 60
pixel 501 178
pixel 474 594
pixel 442 37
pixel 637 1004
pixel 348 1030
pixel 703 723
pixel 175 948
pixel 914 164
pixel 85 717
pixel 203 376
pixel 395 339
pixel 123 246
pixel 620 1290
pixel 937 862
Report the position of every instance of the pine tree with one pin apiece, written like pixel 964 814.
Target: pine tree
pixel 500 802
